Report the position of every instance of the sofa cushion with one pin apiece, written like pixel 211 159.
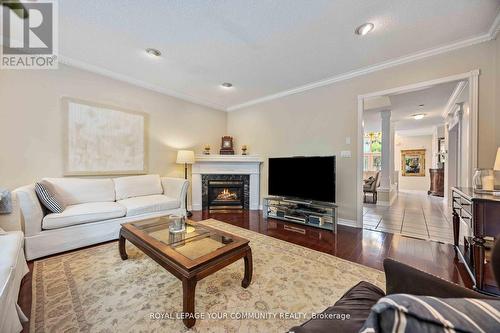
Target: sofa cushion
pixel 149 204
pixel 75 191
pixel 10 243
pixel 410 313
pixel 137 186
pixel 348 314
pixel 47 197
pixel 84 213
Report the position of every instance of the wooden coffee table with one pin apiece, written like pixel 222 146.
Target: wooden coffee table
pixel 190 255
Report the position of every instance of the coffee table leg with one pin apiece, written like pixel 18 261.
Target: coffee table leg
pixel 188 291
pixel 121 247
pixel 248 269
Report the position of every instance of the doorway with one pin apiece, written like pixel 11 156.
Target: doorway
pixel 459 118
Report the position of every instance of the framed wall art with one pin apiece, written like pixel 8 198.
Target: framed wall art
pixel 413 163
pixel 103 140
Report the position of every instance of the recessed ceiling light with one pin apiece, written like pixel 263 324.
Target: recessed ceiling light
pixel 153 52
pixel 364 29
pixel 418 116
pixel 227 85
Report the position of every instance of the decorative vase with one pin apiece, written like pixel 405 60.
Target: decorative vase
pixel 483 180
pixel 177 224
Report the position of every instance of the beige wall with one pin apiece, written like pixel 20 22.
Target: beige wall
pixel 413 183
pixel 31 121
pixel 316 122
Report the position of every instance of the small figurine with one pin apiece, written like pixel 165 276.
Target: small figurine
pixel 207 150
pixel 244 150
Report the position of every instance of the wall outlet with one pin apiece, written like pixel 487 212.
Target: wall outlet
pixel 345 154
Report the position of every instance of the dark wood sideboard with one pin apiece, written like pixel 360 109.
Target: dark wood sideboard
pixel 481 214
pixel 437 182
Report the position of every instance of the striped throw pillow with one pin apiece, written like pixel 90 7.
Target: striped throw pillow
pixel 409 313
pixel 48 199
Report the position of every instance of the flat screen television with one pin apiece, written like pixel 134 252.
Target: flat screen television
pixel 308 178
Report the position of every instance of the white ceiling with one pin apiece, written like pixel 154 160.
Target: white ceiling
pixel 404 105
pixel 263 47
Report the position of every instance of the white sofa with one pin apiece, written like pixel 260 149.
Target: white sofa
pixel 13 267
pixel 95 210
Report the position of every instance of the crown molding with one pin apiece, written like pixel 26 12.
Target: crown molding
pixel 495 27
pixel 490 35
pixel 127 79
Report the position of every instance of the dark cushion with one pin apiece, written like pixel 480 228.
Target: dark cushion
pixel 404 279
pixel 370 180
pixel 347 315
pixel 410 313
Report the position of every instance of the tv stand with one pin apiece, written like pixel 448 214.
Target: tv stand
pixel 322 215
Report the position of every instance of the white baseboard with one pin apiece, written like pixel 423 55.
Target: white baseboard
pixel 349 223
pixel 413 191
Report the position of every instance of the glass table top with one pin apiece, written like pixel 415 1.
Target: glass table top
pixel 196 241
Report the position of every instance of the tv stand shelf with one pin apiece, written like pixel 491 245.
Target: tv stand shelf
pixel 311 213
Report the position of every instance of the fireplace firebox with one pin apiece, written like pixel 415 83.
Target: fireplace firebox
pixel 225 192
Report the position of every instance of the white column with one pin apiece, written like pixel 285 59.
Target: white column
pixel 386 173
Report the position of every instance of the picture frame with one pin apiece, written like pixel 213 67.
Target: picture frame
pixel 413 163
pixel 103 140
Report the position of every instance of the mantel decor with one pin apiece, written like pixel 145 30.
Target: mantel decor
pixel 103 140
pixel 227 146
pixel 413 163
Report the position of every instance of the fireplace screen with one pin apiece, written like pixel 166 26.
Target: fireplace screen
pixel 225 194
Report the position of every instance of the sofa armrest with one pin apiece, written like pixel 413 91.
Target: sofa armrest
pixel 404 279
pixel 175 188
pixel 31 210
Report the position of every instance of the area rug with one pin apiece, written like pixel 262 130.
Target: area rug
pixel 93 290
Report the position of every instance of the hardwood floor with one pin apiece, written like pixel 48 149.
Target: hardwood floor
pixel 366 247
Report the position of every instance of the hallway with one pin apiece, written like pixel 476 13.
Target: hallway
pixel 412 214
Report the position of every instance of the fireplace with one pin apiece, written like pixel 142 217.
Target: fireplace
pixel 225 192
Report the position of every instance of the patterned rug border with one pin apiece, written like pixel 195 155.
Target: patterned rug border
pixel 37 264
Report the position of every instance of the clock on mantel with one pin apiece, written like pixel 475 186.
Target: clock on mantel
pixel 227 146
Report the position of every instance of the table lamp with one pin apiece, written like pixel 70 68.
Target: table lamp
pixel 497 168
pixel 186 157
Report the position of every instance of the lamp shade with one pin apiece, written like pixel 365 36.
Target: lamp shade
pixel 185 157
pixel 497 161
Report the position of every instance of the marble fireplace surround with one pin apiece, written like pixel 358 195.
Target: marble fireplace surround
pixel 226 165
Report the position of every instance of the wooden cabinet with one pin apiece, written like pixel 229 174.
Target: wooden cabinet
pixel 437 182
pixel 480 215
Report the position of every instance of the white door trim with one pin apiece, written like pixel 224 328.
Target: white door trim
pixel 472 77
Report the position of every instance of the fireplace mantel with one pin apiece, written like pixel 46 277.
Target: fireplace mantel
pixel 226 165
pixel 228 158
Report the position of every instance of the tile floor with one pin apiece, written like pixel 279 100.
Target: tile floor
pixel 412 214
